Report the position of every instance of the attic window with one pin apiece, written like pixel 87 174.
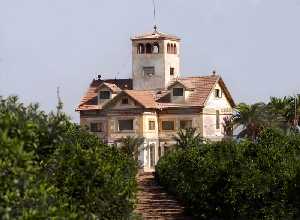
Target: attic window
pixel 104 94
pixel 178 92
pixel 218 93
pixel 125 101
pixel 149 70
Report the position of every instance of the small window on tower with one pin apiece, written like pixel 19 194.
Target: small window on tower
pixel 172 71
pixel 149 70
pixel 141 48
pixel 148 48
pixel 155 48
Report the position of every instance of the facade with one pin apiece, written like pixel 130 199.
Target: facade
pixel 157 101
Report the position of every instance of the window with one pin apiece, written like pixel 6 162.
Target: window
pixel 149 70
pixel 151 125
pixel 172 71
pixel 184 124
pixel 155 48
pixel 105 95
pixel 126 125
pixel 217 119
pixel 168 125
pixel 178 92
pixel 125 101
pixel 141 48
pixel 168 48
pixel 148 48
pixel 175 49
pixel 96 127
pixel 218 93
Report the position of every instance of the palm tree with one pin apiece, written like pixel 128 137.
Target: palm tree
pixel 251 119
pixel 131 145
pixel 284 111
pixel 186 138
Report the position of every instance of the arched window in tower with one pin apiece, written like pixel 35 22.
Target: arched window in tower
pixel 155 48
pixel 168 48
pixel 175 49
pixel 141 48
pixel 148 48
pixel 172 48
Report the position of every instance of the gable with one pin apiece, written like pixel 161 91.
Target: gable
pixel 222 102
pixel 117 103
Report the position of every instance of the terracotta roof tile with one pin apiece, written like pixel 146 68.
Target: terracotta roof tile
pixel 155 35
pixel 90 97
pixel 201 89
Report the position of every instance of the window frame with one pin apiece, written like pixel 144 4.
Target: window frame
pixel 177 95
pixel 218 119
pixel 172 71
pixel 151 127
pixel 125 103
pixel 166 121
pixel 98 128
pixel 146 71
pixel 105 98
pixel 123 120
pixel 186 120
pixel 218 93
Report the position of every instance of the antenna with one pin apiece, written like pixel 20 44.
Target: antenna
pixel 154 15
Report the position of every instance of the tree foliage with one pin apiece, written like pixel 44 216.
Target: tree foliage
pixel 282 113
pixel 229 180
pixel 52 168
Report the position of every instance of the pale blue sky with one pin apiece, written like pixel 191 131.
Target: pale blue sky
pixel 253 44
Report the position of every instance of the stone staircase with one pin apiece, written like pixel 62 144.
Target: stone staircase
pixel 154 203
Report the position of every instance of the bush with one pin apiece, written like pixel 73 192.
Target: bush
pixel 51 168
pixel 229 180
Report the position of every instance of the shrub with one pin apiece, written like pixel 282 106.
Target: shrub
pixel 52 168
pixel 229 180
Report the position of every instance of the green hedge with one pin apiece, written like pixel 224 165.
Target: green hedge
pixel 230 180
pixel 51 168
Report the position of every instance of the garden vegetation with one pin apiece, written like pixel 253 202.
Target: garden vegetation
pixel 256 177
pixel 52 168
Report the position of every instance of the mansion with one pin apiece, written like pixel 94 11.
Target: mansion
pixel 157 101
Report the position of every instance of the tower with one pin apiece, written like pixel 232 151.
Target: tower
pixel 155 60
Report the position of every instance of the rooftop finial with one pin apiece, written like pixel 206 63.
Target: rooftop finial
pixel 154 16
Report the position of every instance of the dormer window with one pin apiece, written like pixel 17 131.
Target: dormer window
pixel 125 101
pixel 218 93
pixel 104 94
pixel 177 91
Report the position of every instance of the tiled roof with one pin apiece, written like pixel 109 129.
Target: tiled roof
pixel 111 86
pixel 155 35
pixel 201 88
pixel 90 100
pixel 145 98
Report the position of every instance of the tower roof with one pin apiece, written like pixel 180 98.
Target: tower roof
pixel 155 35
